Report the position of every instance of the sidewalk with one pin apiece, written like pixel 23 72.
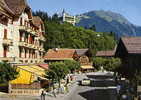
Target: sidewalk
pixel 71 87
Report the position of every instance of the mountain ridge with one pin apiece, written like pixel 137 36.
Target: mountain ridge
pixel 108 21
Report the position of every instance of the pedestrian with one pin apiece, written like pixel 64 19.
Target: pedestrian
pixel 118 89
pixel 124 97
pixel 43 94
pixel 139 97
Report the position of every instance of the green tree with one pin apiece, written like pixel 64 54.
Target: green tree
pixel 72 65
pixel 109 64
pixel 65 35
pixel 112 64
pixel 7 72
pixel 51 75
pixel 93 28
pixel 99 62
pixel 59 70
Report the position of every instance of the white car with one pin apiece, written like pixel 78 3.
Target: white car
pixel 85 82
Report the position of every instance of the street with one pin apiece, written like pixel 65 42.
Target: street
pixel 100 89
pixel 90 93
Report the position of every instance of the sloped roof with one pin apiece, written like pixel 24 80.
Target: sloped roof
pixel 44 66
pixel 81 52
pixel 105 53
pixel 37 21
pixel 59 54
pixel 132 44
pixel 16 7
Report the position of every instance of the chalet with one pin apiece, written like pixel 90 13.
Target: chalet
pixel 106 54
pixel 81 55
pixel 56 54
pixel 84 56
pixel 129 50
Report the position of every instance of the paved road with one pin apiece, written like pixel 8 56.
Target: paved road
pixel 92 93
pixel 103 88
pixel 100 90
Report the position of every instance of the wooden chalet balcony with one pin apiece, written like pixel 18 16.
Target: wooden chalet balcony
pixel 8 42
pixel 7 59
pixel 86 63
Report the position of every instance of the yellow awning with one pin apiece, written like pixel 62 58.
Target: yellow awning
pixel 87 67
pixel 27 74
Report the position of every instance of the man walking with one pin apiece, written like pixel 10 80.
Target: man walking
pixel 43 94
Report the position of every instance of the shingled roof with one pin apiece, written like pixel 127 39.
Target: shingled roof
pixel 132 44
pixel 109 53
pixel 16 7
pixel 81 52
pixel 59 54
pixel 37 21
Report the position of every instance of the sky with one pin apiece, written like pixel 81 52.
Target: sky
pixel 130 9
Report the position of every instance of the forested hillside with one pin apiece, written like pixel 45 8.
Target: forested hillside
pixel 64 35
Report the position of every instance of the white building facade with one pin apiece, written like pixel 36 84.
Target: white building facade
pixel 68 18
pixel 21 34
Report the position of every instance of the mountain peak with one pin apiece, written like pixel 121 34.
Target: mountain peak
pixel 107 21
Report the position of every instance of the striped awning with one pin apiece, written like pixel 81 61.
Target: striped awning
pixel 28 74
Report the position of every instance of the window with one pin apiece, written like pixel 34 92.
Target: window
pixel 5 51
pixel 25 53
pixel 5 33
pixel 21 35
pixel 20 52
pixel 21 21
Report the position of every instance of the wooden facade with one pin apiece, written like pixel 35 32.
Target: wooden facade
pixel 129 50
pixel 84 56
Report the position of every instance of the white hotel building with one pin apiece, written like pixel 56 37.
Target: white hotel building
pixel 21 34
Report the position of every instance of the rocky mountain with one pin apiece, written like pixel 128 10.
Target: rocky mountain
pixel 107 21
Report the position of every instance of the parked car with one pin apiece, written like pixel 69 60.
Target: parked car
pixel 85 82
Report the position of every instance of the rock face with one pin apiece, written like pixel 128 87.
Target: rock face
pixel 107 21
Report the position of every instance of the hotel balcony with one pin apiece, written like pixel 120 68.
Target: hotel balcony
pixel 28 45
pixel 7 59
pixel 8 42
pixel 22 43
pixel 30 60
pixel 41 49
pixel 42 38
pixel 28 29
pixel 22 27
pixel 34 46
